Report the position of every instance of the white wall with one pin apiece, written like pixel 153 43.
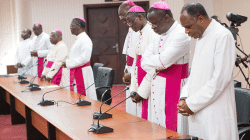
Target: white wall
pixel 241 7
pixel 8 35
pixel 58 14
pixel 16 15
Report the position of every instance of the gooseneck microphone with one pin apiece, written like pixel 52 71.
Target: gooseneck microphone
pixel 22 75
pixel 98 128
pixel 81 102
pixel 96 115
pixel 35 87
pixel 50 102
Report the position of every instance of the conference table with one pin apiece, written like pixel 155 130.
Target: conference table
pixel 66 121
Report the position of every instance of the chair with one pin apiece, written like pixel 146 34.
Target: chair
pixel 11 69
pixel 95 68
pixel 237 83
pixel 104 85
pixel 242 98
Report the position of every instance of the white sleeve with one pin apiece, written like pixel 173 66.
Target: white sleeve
pixel 224 59
pixel 86 51
pixel 144 89
pixel 184 91
pixel 177 48
pixel 45 70
pixel 28 59
pixel 124 51
pixel 133 86
pixel 16 58
pixel 45 52
pixel 59 59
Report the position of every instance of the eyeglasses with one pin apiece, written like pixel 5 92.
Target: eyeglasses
pixel 155 25
pixel 130 24
pixel 122 16
pixel 73 25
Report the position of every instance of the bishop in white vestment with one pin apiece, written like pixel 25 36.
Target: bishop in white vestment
pixel 208 97
pixel 78 62
pixel 22 58
pixel 139 23
pixel 128 50
pixel 53 70
pixel 166 63
pixel 40 49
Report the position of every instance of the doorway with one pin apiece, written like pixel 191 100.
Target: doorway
pixel 108 34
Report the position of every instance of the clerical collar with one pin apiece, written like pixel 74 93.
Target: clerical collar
pixel 58 43
pixel 40 34
pixel 171 28
pixel 27 39
pixel 144 28
pixel 81 34
pixel 209 28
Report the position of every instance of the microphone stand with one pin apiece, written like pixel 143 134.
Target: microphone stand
pixel 81 102
pixel 100 115
pixel 237 64
pixel 49 102
pixel 35 87
pixel 100 129
pixel 24 77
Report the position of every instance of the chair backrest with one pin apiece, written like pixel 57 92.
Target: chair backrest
pixel 95 68
pixel 242 98
pixel 106 81
pixel 11 69
pixel 237 83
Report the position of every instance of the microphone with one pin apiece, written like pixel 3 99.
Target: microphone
pixel 97 115
pixel 81 102
pixel 22 75
pixel 49 102
pixel 100 129
pixel 35 87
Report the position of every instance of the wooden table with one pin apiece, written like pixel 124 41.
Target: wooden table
pixel 67 121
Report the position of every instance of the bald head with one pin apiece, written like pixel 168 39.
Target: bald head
pixel 122 11
pixel 26 33
pixel 55 37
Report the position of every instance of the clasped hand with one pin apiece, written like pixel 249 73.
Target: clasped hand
pixel 136 98
pixel 184 109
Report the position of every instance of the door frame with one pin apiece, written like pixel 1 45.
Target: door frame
pixel 86 7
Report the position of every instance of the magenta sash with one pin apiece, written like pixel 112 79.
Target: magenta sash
pixel 129 60
pixel 40 66
pixel 141 74
pixel 57 78
pixel 173 76
pixel 76 73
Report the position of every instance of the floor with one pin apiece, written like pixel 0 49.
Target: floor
pixel 18 132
